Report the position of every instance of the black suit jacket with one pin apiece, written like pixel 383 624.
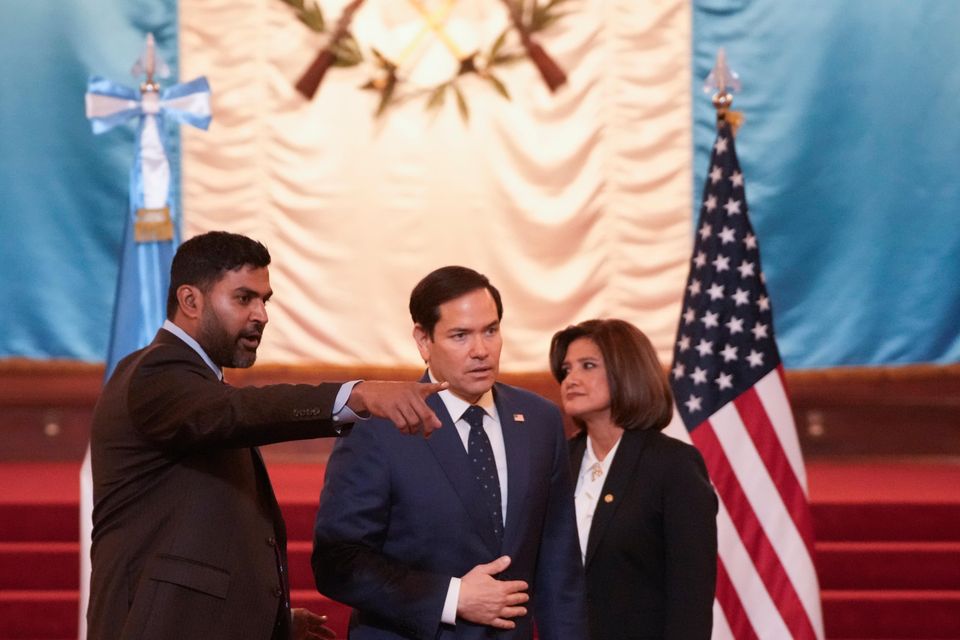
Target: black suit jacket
pixel 399 516
pixel 188 540
pixel 651 556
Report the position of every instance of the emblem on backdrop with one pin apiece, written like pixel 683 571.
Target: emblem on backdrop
pixel 424 49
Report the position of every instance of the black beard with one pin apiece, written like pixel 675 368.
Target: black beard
pixel 224 349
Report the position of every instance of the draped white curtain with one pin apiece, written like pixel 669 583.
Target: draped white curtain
pixel 575 204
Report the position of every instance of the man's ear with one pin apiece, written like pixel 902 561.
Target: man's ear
pixel 190 300
pixel 422 338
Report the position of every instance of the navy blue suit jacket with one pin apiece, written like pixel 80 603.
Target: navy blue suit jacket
pixel 400 515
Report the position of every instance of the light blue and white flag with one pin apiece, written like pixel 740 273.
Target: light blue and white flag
pixel 151 233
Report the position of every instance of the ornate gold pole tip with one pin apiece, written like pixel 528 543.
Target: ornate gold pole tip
pixel 723 82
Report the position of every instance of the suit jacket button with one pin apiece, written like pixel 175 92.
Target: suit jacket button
pixel 271 541
pixel 277 592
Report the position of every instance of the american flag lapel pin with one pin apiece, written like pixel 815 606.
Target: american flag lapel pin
pixel 518 417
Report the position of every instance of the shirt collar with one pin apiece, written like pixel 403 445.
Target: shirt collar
pixel 193 344
pixel 590 459
pixel 457 406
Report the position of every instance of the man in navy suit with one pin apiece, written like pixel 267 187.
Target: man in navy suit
pixel 458 535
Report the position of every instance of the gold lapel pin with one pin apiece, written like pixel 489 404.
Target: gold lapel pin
pixel 608 498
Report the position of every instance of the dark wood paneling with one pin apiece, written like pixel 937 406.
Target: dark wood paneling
pixel 910 410
pixel 45 407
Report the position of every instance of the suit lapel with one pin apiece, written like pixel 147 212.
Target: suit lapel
pixel 622 468
pixel 166 337
pixel 516 441
pixel 452 457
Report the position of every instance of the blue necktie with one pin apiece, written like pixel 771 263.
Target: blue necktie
pixel 484 466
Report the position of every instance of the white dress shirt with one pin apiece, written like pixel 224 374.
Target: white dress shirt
pixel 593 473
pixel 456 407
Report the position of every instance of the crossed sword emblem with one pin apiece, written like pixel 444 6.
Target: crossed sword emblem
pixel 435 22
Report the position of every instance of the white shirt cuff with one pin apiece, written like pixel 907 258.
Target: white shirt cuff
pixel 341 412
pixel 449 615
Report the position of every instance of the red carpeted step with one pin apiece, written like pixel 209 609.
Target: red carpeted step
pixel 892 614
pixel 299 517
pixel 885 521
pixel 38 614
pixel 301 573
pixel 39 565
pixel 889 565
pixel 34 521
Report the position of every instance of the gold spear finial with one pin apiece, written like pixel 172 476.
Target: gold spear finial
pixel 724 82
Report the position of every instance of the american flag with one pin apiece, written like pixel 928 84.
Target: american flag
pixel 730 394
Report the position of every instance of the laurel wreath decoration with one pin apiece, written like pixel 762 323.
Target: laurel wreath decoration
pixel 527 18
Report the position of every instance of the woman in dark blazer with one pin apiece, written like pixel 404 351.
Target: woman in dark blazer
pixel 646 511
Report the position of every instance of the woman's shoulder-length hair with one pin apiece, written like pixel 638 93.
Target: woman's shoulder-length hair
pixel 640 395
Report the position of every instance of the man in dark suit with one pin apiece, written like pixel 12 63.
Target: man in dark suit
pixel 188 539
pixel 456 535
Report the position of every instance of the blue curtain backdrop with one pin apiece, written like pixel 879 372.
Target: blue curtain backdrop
pixel 63 191
pixel 850 156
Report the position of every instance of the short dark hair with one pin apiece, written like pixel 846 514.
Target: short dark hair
pixel 202 260
pixel 443 285
pixel 640 396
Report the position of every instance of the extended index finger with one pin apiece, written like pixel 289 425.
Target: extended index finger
pixel 427 388
pixel 428 419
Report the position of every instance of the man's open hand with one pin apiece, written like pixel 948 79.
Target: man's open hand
pixel 486 600
pixel 400 402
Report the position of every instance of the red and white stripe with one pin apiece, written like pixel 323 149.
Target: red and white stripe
pixel 766 581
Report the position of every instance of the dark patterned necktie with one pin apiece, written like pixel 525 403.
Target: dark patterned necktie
pixel 484 466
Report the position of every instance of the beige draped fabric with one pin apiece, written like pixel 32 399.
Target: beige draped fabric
pixel 576 205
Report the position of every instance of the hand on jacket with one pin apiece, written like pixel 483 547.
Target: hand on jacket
pixel 400 402
pixel 306 625
pixel 486 600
